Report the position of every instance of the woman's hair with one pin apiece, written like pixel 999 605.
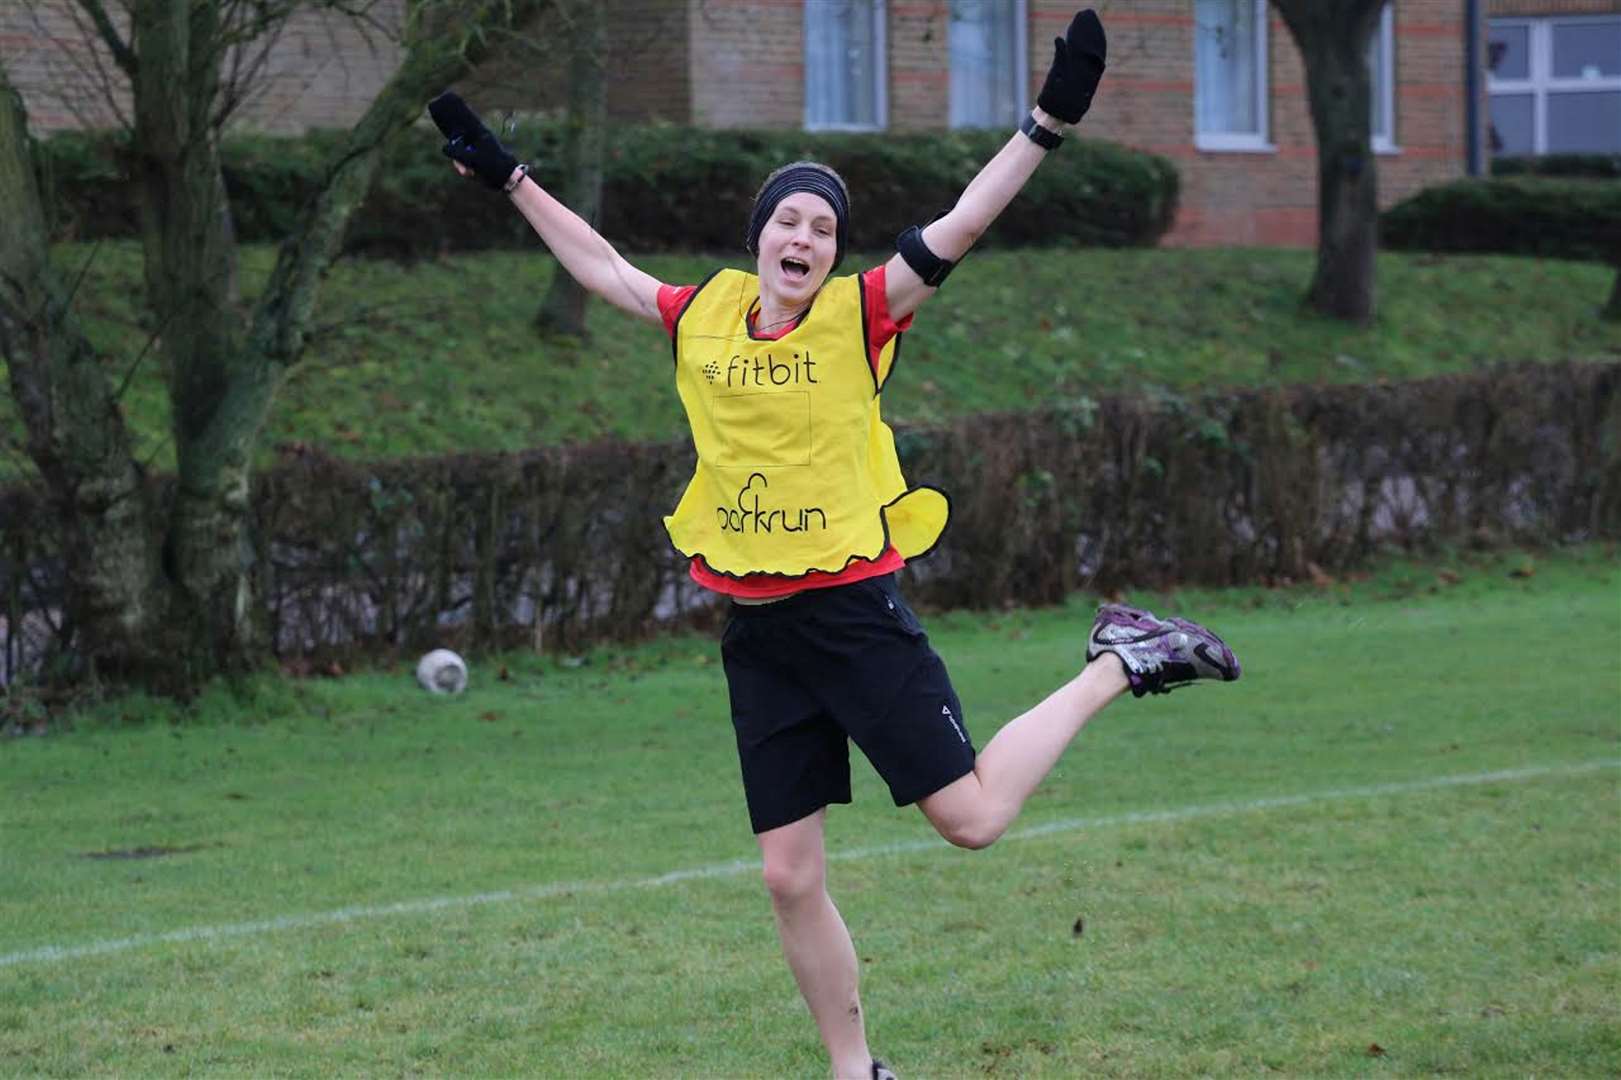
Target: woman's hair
pixel 800 176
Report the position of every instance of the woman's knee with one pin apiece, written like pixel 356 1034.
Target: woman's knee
pixel 963 814
pixel 790 880
pixel 972 834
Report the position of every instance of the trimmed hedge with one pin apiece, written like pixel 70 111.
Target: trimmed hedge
pixel 1588 166
pixel 563 546
pixel 1526 215
pixel 666 188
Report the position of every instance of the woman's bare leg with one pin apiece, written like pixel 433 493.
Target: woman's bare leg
pixel 1131 649
pixel 815 940
pixel 976 809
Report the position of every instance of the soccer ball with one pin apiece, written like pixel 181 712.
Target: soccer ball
pixel 442 672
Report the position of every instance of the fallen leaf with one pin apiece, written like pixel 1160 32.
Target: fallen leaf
pixel 1080 925
pixel 1375 1050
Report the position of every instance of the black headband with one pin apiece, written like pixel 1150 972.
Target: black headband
pixel 792 181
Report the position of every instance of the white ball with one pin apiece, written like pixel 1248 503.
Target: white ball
pixel 442 672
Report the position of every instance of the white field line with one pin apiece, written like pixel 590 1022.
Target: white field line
pixel 340 916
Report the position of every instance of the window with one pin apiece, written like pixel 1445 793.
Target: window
pixel 1229 75
pixel 989 71
pixel 1382 74
pixel 1555 85
pixel 844 64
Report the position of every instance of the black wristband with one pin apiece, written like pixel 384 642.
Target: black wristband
pixel 1043 137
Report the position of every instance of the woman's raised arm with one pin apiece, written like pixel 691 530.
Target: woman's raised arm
pixel 926 255
pixel 584 252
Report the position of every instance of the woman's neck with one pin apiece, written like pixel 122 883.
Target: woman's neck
pixel 773 316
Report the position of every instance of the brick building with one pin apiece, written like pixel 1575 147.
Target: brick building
pixel 1215 85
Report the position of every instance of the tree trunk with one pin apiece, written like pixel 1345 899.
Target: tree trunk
pixel 562 312
pixel 165 597
pixel 76 434
pixel 218 395
pixel 1333 37
pixel 1612 310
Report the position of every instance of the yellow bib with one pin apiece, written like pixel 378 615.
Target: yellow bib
pixel 796 469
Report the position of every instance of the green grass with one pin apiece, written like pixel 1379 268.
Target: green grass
pixel 1469 928
pixel 439 357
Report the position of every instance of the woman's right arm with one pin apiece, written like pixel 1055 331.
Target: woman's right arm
pixel 591 260
pixel 586 254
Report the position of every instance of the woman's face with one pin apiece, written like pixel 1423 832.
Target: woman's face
pixel 797 248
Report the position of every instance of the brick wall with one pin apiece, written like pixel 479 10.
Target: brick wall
pixel 322 72
pixel 740 64
pixel 748 71
pixel 67 80
pixel 748 63
pixel 646 74
pixel 1266 198
pixel 650 68
pixel 919 64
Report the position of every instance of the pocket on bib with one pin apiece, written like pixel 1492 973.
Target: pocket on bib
pixel 764 429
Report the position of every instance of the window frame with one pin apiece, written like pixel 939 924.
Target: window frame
pixel 1540 82
pixel 880 73
pixel 1229 142
pixel 1021 69
pixel 1384 94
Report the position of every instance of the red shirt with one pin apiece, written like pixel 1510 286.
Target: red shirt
pixel 880 328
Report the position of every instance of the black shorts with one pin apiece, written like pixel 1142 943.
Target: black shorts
pixel 825 666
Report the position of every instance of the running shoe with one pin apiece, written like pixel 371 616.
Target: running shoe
pixel 1160 655
pixel 880 1071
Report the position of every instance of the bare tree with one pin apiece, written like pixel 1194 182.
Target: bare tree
pixel 1333 37
pixel 163 594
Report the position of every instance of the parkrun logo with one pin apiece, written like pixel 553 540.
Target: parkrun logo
pixel 749 516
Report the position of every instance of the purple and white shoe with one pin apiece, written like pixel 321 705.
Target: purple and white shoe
pixel 1159 655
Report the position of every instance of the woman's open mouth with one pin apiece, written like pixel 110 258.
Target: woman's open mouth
pixel 794 270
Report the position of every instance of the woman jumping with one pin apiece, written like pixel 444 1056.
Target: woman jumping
pixel 798 513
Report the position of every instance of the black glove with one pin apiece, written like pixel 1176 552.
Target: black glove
pixel 1077 66
pixel 470 142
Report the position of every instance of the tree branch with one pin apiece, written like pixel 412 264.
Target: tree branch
pixel 436 56
pixel 123 55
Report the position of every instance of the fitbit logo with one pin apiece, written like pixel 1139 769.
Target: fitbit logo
pixel 767 370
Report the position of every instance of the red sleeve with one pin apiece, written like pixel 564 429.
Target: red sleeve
pixel 880 327
pixel 672 298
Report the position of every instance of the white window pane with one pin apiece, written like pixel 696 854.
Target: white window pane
pixel 1226 72
pixel 840 63
pixel 1584 123
pixel 1379 62
pixel 1512 116
pixel 1587 50
pixel 984 76
pixel 1508 51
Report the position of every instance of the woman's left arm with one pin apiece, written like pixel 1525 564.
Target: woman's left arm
pixel 1078 62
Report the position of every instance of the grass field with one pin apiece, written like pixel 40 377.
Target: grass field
pixel 439 357
pixel 1391 849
